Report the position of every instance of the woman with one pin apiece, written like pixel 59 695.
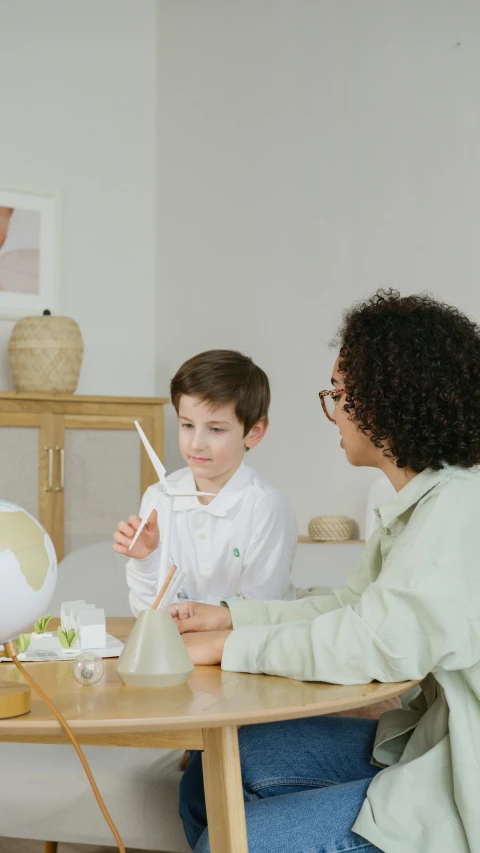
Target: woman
pixel 406 400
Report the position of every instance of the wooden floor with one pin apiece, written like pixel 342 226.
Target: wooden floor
pixel 12 845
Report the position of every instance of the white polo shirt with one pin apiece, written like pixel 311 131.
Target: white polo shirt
pixel 241 545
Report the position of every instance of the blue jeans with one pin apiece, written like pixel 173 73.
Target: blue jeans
pixel 304 782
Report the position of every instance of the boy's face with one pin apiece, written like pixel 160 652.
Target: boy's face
pixel 212 440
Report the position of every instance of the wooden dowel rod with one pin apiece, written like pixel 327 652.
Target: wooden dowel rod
pixel 164 587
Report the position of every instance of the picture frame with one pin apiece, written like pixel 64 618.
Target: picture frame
pixel 28 254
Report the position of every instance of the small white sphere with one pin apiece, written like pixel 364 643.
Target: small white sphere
pixel 88 669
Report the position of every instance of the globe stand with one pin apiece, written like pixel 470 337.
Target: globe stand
pixel 15 700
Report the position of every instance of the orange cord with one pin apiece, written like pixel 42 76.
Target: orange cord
pixel 61 719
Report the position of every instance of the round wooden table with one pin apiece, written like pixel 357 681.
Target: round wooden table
pixel 202 714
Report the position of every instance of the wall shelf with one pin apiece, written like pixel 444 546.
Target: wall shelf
pixel 308 539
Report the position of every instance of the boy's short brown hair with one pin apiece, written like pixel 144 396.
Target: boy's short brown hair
pixel 223 376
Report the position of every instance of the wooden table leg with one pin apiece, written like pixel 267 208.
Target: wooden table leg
pixel 223 791
pixel 51 846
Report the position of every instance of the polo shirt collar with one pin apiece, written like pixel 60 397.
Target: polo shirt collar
pixel 411 494
pixel 231 494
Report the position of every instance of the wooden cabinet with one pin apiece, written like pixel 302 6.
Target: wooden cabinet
pixel 76 462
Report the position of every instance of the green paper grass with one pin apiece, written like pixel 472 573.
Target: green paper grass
pixel 67 638
pixel 23 642
pixel 41 624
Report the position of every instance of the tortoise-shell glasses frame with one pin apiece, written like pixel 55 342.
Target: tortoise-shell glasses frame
pixel 334 392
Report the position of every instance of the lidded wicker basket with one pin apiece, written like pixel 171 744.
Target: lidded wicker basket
pixel 330 527
pixel 45 354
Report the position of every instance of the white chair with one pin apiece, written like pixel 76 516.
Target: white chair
pixel 97 574
pixel 380 492
pixel 48 796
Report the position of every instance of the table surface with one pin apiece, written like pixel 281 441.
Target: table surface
pixel 211 698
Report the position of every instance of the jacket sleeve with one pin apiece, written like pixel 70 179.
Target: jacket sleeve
pixel 305 609
pixel 404 624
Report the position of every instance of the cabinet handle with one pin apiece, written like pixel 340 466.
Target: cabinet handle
pixel 49 486
pixel 61 487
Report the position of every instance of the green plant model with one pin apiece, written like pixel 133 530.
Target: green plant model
pixel 23 642
pixel 67 638
pixel 41 624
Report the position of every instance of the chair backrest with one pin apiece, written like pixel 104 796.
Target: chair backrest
pixel 97 574
pixel 380 492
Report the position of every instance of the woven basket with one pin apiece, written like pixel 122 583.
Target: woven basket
pixel 330 527
pixel 45 354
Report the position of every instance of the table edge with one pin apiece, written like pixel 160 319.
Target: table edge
pixel 21 726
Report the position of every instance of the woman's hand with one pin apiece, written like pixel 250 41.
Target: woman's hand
pixel 191 616
pixel 206 649
pixel 147 542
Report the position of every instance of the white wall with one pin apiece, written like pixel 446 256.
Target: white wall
pixel 77 119
pixel 304 153
pixel 310 151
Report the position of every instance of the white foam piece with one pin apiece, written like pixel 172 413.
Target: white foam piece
pixel 66 613
pixel 92 628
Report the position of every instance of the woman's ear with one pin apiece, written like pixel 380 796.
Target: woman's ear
pixel 255 435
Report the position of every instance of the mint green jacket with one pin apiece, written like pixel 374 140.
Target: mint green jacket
pixel 411 610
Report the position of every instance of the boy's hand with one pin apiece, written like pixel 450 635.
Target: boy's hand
pixel 206 649
pixel 192 616
pixel 147 542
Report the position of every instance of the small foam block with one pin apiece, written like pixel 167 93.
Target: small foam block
pixel 66 613
pixel 75 612
pixel 90 622
pixel 45 642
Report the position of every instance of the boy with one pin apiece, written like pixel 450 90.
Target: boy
pixel 241 542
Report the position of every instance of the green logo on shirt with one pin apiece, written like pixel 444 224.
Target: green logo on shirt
pixel 236 552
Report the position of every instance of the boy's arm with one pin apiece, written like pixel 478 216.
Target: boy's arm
pixel 142 575
pixel 268 558
pixel 142 580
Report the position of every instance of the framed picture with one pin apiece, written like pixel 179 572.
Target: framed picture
pixel 27 254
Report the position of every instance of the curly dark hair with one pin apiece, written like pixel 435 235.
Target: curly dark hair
pixel 411 368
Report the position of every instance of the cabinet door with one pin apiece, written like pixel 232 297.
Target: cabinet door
pixel 30 454
pixel 19 460
pixel 102 477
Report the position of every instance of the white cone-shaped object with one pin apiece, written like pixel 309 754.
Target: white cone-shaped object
pixel 154 654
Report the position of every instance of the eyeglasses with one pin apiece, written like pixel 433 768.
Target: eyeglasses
pixel 330 401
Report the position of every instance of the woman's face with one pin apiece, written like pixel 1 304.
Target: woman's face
pixel 358 448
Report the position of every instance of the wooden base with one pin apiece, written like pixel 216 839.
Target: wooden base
pixel 15 700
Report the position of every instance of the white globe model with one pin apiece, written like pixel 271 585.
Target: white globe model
pixel 28 570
